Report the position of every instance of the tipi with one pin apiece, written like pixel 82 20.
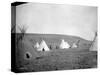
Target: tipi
pixel 75 45
pixel 43 46
pixel 64 45
pixel 94 44
pixel 36 45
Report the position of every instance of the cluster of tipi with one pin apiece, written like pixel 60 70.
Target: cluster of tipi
pixel 64 45
pixel 43 46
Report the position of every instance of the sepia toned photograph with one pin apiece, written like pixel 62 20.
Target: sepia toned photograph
pixel 52 37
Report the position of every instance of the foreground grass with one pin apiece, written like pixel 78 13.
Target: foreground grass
pixel 60 60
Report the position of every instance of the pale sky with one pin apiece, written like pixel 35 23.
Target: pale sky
pixel 58 19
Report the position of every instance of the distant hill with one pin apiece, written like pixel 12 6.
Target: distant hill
pixel 55 35
pixel 55 39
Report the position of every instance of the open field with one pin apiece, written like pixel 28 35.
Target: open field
pixel 55 59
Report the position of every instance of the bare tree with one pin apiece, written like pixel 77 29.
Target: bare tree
pixel 22 29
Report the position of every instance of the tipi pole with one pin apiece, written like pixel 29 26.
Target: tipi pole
pixel 94 39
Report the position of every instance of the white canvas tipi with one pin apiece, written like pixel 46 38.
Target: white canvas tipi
pixel 43 46
pixel 74 45
pixel 36 45
pixel 64 45
pixel 94 45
